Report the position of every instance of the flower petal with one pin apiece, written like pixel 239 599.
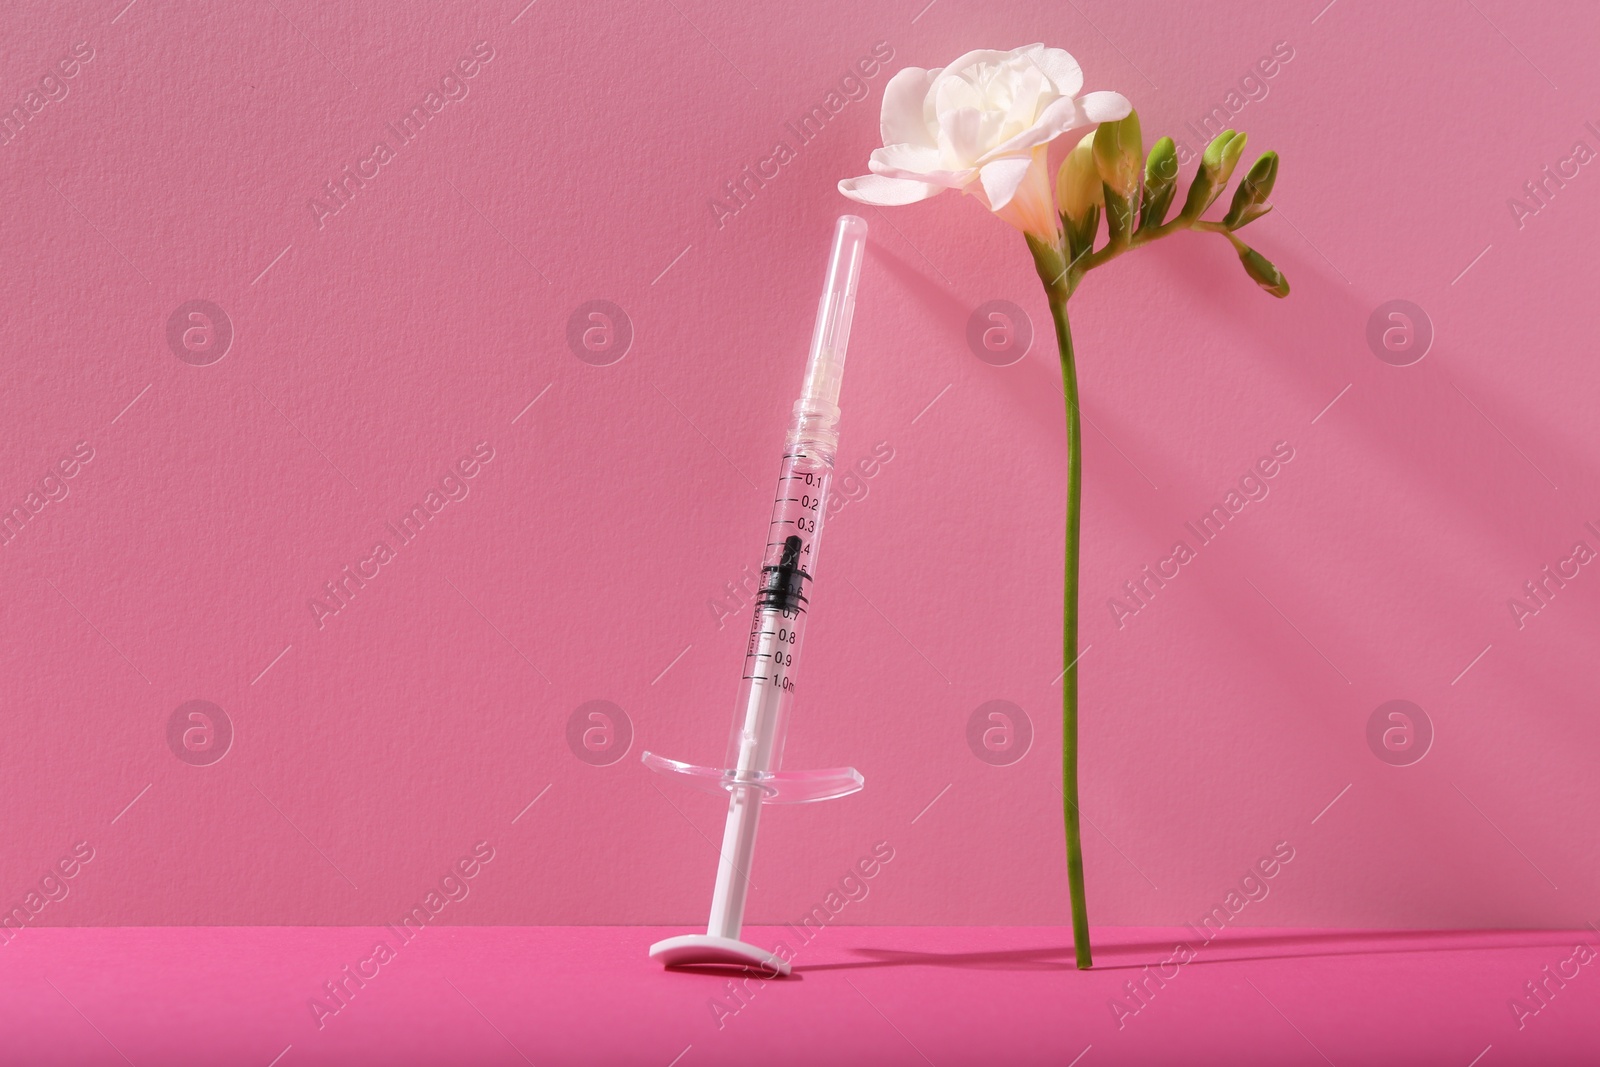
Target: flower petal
pixel 1060 117
pixel 887 192
pixel 1057 118
pixel 1030 92
pixel 1031 208
pixel 952 93
pixel 1001 179
pixel 961 134
pixel 944 179
pixel 975 58
pixel 904 119
pixel 904 160
pixel 1105 106
pixel 1058 66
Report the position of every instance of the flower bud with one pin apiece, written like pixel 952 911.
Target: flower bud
pixel 1160 182
pixel 1118 153
pixel 1080 195
pixel 1260 269
pixel 1211 158
pixel 1212 177
pixel 1078 185
pixel 1250 199
pixel 1230 158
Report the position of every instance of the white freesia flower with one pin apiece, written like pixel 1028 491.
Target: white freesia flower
pixel 982 125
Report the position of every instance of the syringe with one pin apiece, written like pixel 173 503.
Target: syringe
pixel 751 775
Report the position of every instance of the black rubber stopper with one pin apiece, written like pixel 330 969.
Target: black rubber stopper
pixel 783 586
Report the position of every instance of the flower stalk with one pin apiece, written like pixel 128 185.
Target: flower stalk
pixel 1069 637
pixel 1110 158
pixel 1053 272
pixel 1024 99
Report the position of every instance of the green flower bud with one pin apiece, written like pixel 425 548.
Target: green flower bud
pixel 1216 166
pixel 1211 158
pixel 1160 183
pixel 1260 268
pixel 1230 158
pixel 1203 189
pixel 1118 153
pixel 1250 199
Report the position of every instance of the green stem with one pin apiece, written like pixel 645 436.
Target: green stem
pixel 1108 252
pixel 1059 294
pixel 1061 278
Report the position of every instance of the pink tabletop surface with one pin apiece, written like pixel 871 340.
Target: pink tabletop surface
pixel 858 995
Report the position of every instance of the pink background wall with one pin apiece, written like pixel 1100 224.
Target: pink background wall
pixel 374 347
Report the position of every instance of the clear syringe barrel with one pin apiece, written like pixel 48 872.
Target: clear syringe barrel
pixel 789 560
